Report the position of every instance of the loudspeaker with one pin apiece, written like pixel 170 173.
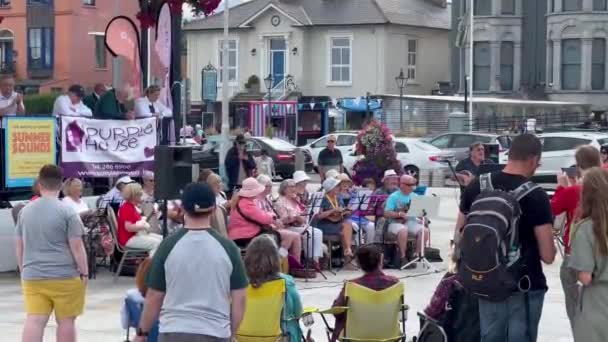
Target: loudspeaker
pixel 173 170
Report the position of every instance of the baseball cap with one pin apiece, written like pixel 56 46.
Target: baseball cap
pixel 198 198
pixel 124 180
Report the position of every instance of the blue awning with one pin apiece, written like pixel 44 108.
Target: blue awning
pixel 359 104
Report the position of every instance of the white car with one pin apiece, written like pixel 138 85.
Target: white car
pixel 344 143
pixel 414 154
pixel 559 148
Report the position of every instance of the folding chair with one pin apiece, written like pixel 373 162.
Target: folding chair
pixel 264 313
pixel 372 315
pixel 559 227
pixel 133 309
pixel 128 254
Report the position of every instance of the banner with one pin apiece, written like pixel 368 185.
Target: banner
pixel 162 47
pixel 122 39
pixel 107 148
pixel 29 144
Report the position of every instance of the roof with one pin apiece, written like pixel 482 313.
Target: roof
pixel 422 13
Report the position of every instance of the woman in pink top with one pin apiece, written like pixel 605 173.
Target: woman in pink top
pixel 292 213
pixel 290 240
pixel 246 218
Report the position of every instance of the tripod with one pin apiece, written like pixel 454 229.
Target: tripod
pixel 421 258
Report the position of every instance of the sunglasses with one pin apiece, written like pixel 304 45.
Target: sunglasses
pixel 331 141
pixel 409 184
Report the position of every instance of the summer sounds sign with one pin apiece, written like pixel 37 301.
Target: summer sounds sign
pixel 29 144
pixel 106 148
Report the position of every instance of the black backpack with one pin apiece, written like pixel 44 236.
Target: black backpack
pixel 491 265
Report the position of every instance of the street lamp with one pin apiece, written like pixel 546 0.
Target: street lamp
pixel 268 84
pixel 401 81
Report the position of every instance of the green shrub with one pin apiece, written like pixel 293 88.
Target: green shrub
pixel 39 103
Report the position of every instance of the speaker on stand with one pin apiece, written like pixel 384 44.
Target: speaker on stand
pixel 173 170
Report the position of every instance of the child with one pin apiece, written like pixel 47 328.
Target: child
pixel 265 165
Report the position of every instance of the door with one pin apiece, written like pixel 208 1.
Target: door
pixel 6 55
pixel 278 55
pixel 559 152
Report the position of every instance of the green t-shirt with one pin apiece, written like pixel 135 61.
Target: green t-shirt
pixel 197 269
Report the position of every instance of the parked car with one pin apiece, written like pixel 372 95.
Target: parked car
pixel 414 154
pixel 344 143
pixel 458 143
pixel 282 153
pixel 559 148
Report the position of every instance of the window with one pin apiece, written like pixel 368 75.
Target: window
pixel 321 143
pixel 551 6
pixel 571 64
pixel 550 54
pixel 232 61
pixel 551 144
pixel 441 142
pixel 599 5
pixel 481 66
pixel 346 140
pixel 598 64
pixel 253 146
pixel 340 64
pixel 412 50
pixel 88 2
pixel 483 7
pixel 463 141
pixel 507 7
pixel 40 48
pixel 39 2
pixel 506 66
pixel 401 148
pixel 5 3
pixel 100 52
pixel 572 5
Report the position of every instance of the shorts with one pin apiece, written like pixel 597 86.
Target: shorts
pixel 184 337
pixel 412 228
pixel 64 296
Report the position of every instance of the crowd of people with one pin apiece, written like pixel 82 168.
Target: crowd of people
pixel 196 279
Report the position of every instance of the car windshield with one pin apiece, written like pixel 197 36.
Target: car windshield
pixel 278 144
pixel 602 142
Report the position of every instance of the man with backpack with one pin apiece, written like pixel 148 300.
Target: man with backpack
pixel 504 231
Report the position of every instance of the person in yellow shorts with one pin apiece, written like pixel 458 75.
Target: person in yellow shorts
pixel 52 261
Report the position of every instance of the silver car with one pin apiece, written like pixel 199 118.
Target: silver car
pixel 458 143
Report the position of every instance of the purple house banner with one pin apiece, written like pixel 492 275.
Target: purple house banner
pixel 106 148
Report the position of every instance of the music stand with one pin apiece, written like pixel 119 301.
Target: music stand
pixel 358 205
pixel 312 209
pixel 422 206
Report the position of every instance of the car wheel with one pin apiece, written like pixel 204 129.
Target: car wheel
pixel 412 171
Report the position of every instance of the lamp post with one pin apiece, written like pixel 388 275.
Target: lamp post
pixel 401 81
pixel 268 84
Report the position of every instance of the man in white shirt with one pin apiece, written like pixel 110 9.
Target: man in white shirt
pixel 70 104
pixel 150 105
pixel 11 102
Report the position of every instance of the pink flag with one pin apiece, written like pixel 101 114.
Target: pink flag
pixel 122 39
pixel 162 47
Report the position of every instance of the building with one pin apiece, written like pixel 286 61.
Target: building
pixel 50 44
pixel 546 49
pixel 330 49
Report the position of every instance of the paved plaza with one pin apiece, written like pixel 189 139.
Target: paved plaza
pixel 101 320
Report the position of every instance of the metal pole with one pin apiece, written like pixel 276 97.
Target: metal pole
pixel 225 108
pixel 269 109
pixel 401 108
pixel 471 72
pixel 368 110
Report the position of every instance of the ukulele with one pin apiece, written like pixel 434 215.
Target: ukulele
pixel 337 217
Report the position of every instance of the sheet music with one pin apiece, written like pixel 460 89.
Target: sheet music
pixel 360 200
pixel 424 204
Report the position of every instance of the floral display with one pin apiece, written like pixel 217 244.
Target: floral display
pixel 375 144
pixel 147 19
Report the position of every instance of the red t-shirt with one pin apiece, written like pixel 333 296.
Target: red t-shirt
pixel 126 213
pixel 567 199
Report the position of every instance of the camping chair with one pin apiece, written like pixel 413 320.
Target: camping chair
pixel 128 254
pixel 372 315
pixel 264 313
pixel 559 227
